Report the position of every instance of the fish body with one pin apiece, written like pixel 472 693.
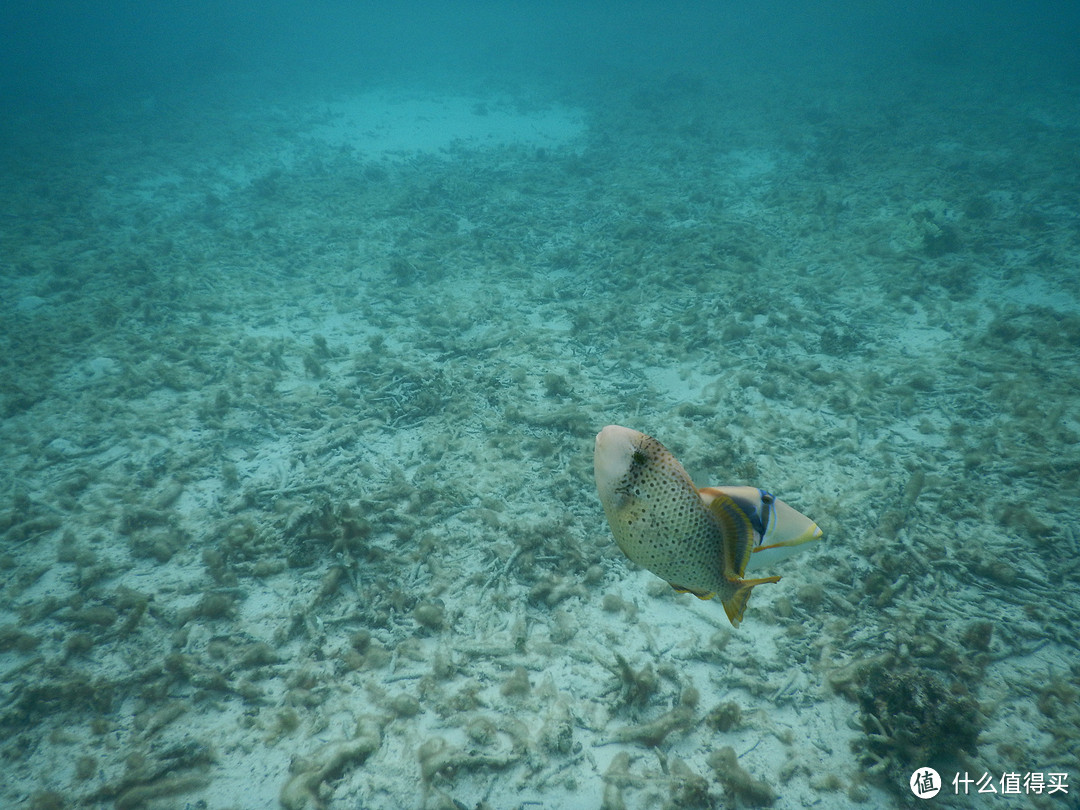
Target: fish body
pixel 700 541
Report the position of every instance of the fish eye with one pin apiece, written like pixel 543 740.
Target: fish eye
pixel 638 457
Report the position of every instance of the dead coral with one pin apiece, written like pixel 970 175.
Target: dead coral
pixel 1059 716
pixel 158 772
pixel 517 684
pixel 557 732
pixel 552 590
pixel 910 719
pixel 655 732
pixel 688 789
pixel 329 761
pixel 439 759
pixel 634 687
pixel 139 795
pixel 738 782
pixel 724 717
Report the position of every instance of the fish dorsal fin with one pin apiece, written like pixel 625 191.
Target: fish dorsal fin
pixel 738 534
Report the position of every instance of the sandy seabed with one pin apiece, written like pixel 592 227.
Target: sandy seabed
pixel 298 404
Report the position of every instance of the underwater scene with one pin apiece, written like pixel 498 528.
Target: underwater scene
pixel 539 406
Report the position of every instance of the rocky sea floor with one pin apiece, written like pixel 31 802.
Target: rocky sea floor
pixel 297 502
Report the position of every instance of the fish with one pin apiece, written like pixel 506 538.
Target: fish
pixel 701 541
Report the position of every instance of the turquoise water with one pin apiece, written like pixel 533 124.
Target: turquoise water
pixel 310 314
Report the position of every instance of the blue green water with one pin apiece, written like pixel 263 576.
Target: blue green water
pixel 309 314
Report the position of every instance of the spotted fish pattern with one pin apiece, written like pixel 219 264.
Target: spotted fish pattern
pixel 660 521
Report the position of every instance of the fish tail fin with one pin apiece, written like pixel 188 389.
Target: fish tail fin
pixel 735 604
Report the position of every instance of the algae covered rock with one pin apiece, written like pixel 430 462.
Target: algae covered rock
pixel 911 719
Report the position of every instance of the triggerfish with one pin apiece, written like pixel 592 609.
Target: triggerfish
pixel 700 540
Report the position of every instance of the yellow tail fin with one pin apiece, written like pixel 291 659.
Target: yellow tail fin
pixel 735 604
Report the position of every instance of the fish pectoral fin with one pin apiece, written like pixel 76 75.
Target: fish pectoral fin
pixel 737 531
pixel 699 594
pixel 735 605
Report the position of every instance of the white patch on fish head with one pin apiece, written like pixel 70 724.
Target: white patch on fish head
pixel 612 457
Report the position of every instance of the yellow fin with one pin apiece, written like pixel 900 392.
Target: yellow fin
pixel 735 605
pixel 738 535
pixel 699 594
